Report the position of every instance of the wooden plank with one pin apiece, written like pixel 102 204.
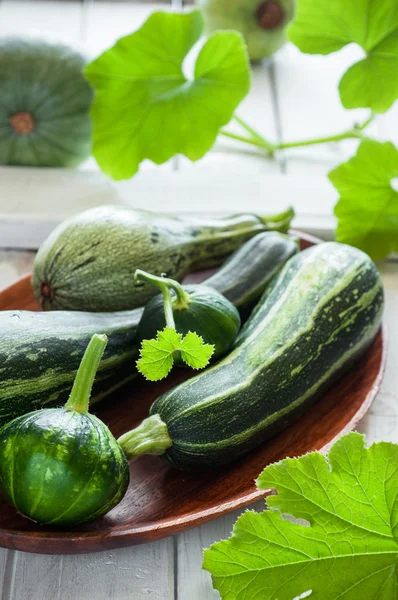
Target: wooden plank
pixel 215 187
pixel 105 22
pixel 381 423
pixel 55 21
pixel 13 264
pixel 7 562
pixel 135 573
pixel 193 582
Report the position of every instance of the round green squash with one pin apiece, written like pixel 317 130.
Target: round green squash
pixel 44 105
pixel 62 466
pixel 261 22
pixel 197 308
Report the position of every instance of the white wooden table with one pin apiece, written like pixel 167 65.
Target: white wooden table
pixel 293 96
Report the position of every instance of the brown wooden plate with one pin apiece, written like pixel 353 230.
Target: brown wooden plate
pixel 162 501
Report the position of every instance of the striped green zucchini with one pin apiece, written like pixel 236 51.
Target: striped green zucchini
pixel 319 314
pixel 40 352
pixel 88 262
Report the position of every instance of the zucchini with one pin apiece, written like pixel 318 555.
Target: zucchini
pixel 263 255
pixel 69 468
pixel 88 262
pixel 59 339
pixel 319 314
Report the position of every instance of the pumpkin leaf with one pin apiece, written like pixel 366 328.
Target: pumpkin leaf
pixel 145 107
pixel 323 27
pixel 157 356
pixel 367 209
pixel 348 547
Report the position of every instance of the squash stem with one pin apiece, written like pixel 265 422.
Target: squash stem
pixel 165 284
pixel 280 222
pixel 151 437
pixel 81 390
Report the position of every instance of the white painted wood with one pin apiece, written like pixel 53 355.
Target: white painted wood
pixel 105 22
pixel 55 21
pixel 13 264
pixel 193 582
pixel 34 201
pixel 137 573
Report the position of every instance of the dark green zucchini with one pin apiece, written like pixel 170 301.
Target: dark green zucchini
pixel 59 339
pixel 88 262
pixel 319 314
pixel 263 255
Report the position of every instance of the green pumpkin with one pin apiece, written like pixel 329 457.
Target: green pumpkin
pixel 261 22
pixel 44 105
pixel 197 308
pixel 62 466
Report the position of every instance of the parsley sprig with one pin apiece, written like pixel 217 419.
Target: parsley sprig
pixel 158 355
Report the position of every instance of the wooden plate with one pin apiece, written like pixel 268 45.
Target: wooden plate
pixel 162 501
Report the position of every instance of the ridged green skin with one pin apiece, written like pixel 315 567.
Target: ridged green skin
pixel 261 257
pixel 209 314
pixel 88 262
pixel 319 314
pixel 61 467
pixel 45 81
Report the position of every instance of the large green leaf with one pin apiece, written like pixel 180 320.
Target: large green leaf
pixel 323 26
pixel 367 209
pixel 145 106
pixel 349 551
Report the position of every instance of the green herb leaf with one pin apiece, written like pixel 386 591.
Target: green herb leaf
pixel 157 356
pixel 194 352
pixel 367 210
pixel 322 27
pixel 350 549
pixel 145 107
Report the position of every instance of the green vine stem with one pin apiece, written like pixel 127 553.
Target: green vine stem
pixel 151 437
pixel 165 285
pixel 255 139
pixel 80 395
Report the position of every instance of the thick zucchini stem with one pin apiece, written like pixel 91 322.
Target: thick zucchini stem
pixel 165 284
pixel 151 437
pixel 80 395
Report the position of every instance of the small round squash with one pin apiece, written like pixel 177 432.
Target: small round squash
pixel 197 308
pixel 61 467
pixel 44 105
pixel 261 22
